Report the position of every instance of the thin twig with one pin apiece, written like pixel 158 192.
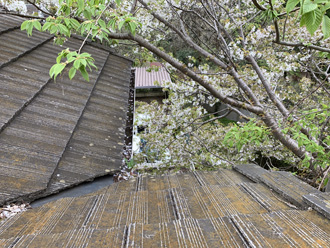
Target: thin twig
pixel 90 31
pixel 325 175
pixel 38 8
pixel 318 48
pixel 208 150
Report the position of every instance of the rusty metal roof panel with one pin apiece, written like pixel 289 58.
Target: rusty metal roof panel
pixel 42 121
pixel 146 79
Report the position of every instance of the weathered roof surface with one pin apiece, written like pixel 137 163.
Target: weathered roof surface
pixel 146 79
pixel 201 209
pixel 56 134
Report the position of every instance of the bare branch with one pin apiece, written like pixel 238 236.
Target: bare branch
pixel 318 48
pixel 181 67
pixel 267 87
pixel 208 150
pixel 323 129
pixel 325 175
pixel 38 8
pixel 255 2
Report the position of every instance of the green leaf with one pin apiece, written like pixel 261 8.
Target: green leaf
pixel 81 4
pixel 51 71
pixel 67 21
pixel 312 20
pixel 92 64
pixel 112 23
pixel 87 14
pixel 67 10
pixel 56 70
pixel 326 27
pixel 46 26
pixel 121 24
pixel 58 59
pixel 325 7
pixel 53 29
pixel 118 2
pixel 74 23
pixel 102 24
pixel 63 30
pixel 291 4
pixel 309 6
pixel 72 72
pixel 29 28
pixel 84 73
pixel 132 26
pixel 321 1
pixel 59 68
pixel 76 64
pixel 83 62
pixel 24 25
pixel 37 25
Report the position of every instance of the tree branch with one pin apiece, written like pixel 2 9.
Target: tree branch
pixel 255 2
pixel 258 110
pixel 318 48
pixel 323 129
pixel 267 87
pixel 38 8
pixel 183 68
pixel 325 175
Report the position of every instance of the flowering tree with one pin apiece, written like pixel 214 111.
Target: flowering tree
pixel 270 58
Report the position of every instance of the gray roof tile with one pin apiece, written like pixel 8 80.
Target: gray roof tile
pixel 55 134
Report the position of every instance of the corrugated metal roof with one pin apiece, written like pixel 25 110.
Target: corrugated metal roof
pixel 146 79
pixel 219 208
pixel 56 134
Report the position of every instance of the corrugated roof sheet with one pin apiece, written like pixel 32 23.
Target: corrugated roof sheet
pixel 197 209
pixel 146 79
pixel 56 134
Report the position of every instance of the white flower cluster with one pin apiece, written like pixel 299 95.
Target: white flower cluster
pixel 14 5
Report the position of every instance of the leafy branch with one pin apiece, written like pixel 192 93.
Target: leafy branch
pixel 79 62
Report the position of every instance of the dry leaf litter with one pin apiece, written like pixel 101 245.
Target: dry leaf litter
pixel 13 209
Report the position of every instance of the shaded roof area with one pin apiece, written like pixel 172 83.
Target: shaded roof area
pixel 219 208
pixel 56 134
pixel 146 79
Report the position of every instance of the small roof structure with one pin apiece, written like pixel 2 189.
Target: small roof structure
pixel 54 135
pixel 146 79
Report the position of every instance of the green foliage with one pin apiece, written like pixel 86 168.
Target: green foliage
pixel 312 120
pixel 269 14
pixel 130 163
pixel 68 21
pixel 29 25
pixel 313 14
pixel 179 127
pixel 225 121
pixel 126 22
pixel 246 133
pixel 79 62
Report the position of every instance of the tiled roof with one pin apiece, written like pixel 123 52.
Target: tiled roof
pixel 146 79
pixel 218 208
pixel 56 134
